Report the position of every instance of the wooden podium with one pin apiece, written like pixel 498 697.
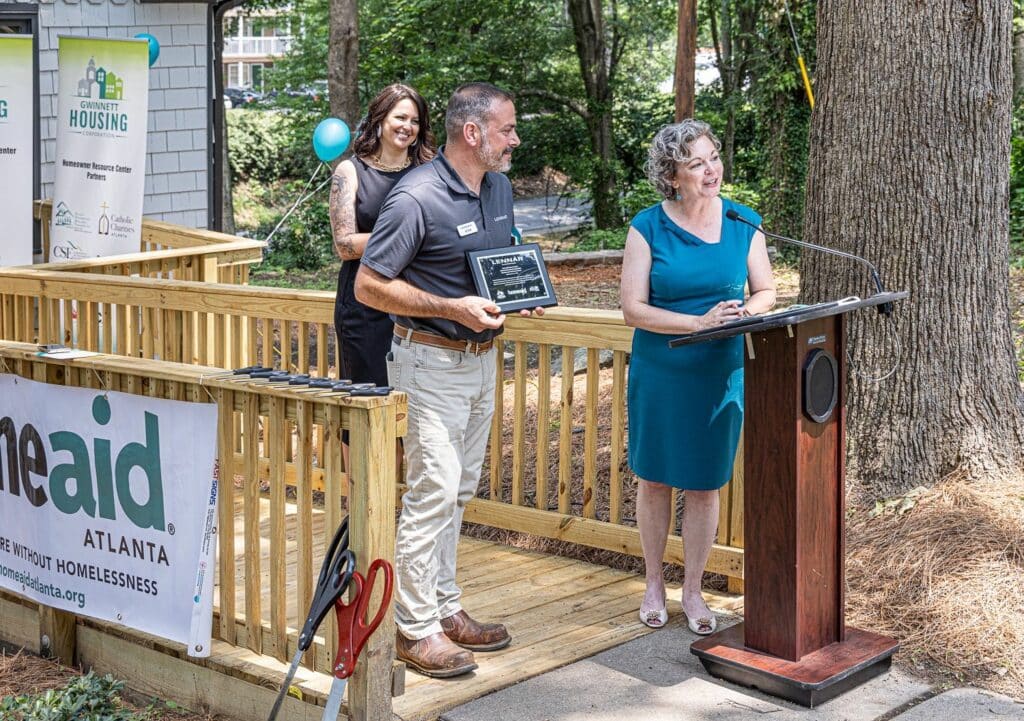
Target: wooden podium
pixel 794 642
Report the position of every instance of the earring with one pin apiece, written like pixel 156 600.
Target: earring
pixel 379 131
pixel 677 197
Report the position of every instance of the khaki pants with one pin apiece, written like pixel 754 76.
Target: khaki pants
pixel 451 402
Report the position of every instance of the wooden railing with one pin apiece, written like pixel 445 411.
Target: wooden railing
pixel 558 457
pixel 544 477
pixel 166 251
pixel 226 325
pixel 268 417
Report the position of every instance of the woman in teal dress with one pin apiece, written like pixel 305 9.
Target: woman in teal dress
pixel 684 269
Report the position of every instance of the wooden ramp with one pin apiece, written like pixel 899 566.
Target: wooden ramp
pixel 558 611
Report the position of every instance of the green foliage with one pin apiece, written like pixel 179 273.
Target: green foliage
pixel 84 698
pixel 640 195
pixel 601 239
pixel 554 139
pixel 304 242
pixel 262 147
pixel 1017 181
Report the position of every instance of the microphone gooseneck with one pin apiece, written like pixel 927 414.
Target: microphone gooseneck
pixel 884 308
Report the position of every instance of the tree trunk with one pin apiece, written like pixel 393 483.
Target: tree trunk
pixel 596 56
pixel 909 167
pixel 227 204
pixel 343 61
pixel 686 58
pixel 606 210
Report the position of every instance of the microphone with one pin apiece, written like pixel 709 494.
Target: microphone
pixel 884 308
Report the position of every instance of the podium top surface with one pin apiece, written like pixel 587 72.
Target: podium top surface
pixel 787 316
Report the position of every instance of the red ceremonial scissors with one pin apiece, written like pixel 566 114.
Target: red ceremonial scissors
pixel 353 631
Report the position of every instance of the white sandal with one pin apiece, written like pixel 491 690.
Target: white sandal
pixel 655 618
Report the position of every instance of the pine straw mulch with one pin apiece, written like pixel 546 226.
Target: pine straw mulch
pixel 942 572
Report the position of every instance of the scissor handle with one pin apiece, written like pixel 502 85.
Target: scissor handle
pixel 353 631
pixel 340 540
pixel 334 579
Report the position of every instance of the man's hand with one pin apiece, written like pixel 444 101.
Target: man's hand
pixel 526 312
pixel 476 313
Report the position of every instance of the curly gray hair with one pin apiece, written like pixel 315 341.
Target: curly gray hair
pixel 671 145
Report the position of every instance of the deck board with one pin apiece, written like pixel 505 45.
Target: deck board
pixel 558 611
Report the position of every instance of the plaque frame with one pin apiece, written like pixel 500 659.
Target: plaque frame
pixel 479 260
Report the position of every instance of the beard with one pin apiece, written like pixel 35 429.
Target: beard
pixel 493 160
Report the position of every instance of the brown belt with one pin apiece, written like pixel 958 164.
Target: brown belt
pixel 466 346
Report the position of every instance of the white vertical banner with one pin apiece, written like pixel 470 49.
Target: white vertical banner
pixel 16 161
pixel 102 105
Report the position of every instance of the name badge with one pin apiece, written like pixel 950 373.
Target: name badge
pixel 466 229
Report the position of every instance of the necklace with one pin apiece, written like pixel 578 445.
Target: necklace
pixel 389 168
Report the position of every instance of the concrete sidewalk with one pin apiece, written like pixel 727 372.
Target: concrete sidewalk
pixel 656 678
pixel 550 214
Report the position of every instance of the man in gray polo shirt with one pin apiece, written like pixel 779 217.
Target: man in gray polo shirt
pixel 415 268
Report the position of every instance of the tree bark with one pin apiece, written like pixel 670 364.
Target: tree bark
pixel 909 167
pixel 598 56
pixel 227 204
pixel 343 61
pixel 686 58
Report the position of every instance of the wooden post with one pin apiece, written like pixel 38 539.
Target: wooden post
pixel 57 638
pixel 372 536
pixel 686 58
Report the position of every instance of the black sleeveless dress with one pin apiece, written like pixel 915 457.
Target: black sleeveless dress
pixel 364 333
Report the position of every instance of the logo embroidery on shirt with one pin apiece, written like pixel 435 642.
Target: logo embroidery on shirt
pixel 501 217
pixel 466 229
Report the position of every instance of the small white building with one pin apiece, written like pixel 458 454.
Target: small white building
pixel 180 161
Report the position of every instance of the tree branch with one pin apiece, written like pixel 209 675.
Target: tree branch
pixel 573 105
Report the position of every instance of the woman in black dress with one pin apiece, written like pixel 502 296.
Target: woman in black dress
pixel 393 138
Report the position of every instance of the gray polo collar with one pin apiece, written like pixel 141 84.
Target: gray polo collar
pixel 447 173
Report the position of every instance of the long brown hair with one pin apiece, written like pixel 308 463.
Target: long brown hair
pixel 368 143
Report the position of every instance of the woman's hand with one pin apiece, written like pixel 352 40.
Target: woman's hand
pixel 723 312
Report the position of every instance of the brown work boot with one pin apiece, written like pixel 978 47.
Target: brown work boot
pixel 434 656
pixel 466 632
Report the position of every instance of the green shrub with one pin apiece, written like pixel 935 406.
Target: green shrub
pixel 594 239
pixel 1017 180
pixel 261 147
pixel 84 698
pixel 304 242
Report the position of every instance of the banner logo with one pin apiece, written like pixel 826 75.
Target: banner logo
pixel 106 85
pixel 99 108
pixel 94 481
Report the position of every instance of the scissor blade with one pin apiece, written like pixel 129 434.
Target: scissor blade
pixel 289 677
pixel 333 706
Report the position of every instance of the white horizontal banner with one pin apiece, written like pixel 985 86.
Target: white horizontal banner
pixel 108 506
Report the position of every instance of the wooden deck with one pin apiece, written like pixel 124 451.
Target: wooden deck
pixel 558 611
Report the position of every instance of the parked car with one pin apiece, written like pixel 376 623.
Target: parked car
pixel 240 97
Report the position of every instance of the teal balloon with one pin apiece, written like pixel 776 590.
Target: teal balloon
pixel 154 46
pixel 330 139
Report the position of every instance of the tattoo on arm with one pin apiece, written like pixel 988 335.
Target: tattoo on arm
pixel 343 220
